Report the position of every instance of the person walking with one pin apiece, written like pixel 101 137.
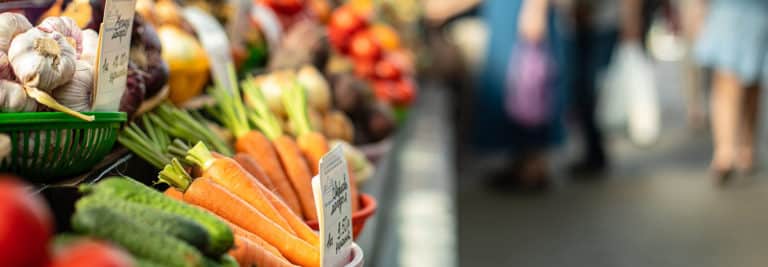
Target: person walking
pixel 734 44
pixel 511 23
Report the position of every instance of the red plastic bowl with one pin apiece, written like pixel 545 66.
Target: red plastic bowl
pixel 367 208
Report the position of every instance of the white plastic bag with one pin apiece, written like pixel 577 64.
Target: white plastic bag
pixel 629 96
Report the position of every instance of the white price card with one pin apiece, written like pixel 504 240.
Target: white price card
pixel 112 60
pixel 334 209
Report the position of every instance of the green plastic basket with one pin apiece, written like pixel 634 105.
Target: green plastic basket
pixel 48 146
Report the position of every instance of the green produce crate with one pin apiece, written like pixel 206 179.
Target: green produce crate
pixel 49 146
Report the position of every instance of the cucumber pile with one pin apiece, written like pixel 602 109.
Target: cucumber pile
pixel 154 228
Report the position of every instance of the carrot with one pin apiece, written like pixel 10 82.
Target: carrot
pixel 239 231
pixel 249 164
pixel 298 172
pixel 263 152
pixel 230 175
pixel 249 254
pixel 256 240
pixel 302 229
pixel 258 146
pixel 314 146
pixel 211 196
pixel 174 194
pixel 353 191
pixel 232 113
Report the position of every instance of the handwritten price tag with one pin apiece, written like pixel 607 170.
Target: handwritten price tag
pixel 334 209
pixel 112 61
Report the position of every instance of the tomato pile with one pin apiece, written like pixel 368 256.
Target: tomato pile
pixel 376 53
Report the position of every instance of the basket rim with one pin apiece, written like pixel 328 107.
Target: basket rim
pixel 58 117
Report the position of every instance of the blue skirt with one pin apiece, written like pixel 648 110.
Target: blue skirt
pixel 735 39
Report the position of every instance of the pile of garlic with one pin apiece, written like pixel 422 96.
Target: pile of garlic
pixel 51 64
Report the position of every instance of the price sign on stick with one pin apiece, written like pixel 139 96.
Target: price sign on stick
pixel 334 209
pixel 112 59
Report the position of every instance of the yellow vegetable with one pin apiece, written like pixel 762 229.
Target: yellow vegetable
pixel 187 62
pixel 80 11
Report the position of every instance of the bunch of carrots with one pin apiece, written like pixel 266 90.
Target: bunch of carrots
pixel 264 191
pixel 288 162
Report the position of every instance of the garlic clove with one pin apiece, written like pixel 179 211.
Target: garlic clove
pixel 76 94
pixel 14 99
pixel 11 24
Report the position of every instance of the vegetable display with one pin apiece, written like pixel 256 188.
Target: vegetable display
pixel 230 167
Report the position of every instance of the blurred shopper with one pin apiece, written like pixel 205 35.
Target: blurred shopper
pixel 734 43
pixel 510 23
pixel 598 26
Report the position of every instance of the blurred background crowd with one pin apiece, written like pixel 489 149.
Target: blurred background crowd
pixel 540 72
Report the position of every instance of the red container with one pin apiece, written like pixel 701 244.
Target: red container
pixel 367 208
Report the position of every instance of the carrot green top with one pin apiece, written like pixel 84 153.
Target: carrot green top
pixel 231 110
pixel 259 114
pixel 174 175
pixel 295 102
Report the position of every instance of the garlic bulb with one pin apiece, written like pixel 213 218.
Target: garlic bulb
pixel 14 99
pixel 67 27
pixel 11 24
pixel 90 46
pixel 42 60
pixel 5 67
pixel 76 94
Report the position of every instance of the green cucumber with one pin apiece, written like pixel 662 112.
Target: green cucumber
pixel 221 238
pixel 140 241
pixel 180 227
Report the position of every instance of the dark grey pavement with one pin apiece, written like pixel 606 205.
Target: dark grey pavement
pixel 657 207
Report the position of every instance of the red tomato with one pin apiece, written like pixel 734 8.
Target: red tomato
pixel 403 59
pixel 346 20
pixel 365 69
pixel 383 90
pixel 404 92
pixel 92 253
pixel 25 226
pixel 388 70
pixel 285 7
pixel 364 46
pixel 339 39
